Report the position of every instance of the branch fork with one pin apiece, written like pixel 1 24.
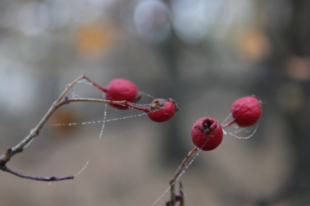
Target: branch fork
pixel 61 100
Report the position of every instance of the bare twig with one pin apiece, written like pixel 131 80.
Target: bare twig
pixel 69 87
pixel 62 100
pixel 46 179
pixel 95 84
pixel 181 196
pixel 172 197
pixel 184 164
pixel 124 102
pixel 176 198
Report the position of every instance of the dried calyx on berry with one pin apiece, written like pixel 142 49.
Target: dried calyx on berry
pixel 119 90
pixel 207 133
pixel 160 110
pixel 246 111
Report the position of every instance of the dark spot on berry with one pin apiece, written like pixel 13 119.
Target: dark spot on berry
pixel 157 104
pixel 206 126
pixel 162 110
pixel 207 133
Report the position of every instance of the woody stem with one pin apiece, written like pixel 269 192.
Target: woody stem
pixel 184 164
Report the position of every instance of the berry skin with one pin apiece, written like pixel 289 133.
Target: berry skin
pixel 207 133
pixel 160 110
pixel 246 111
pixel 121 89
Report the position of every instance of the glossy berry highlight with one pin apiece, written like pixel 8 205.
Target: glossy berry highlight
pixel 246 111
pixel 207 133
pixel 160 110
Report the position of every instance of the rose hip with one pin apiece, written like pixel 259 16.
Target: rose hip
pixel 246 111
pixel 207 133
pixel 160 110
pixel 118 90
pixel 121 89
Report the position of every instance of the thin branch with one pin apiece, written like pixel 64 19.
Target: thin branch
pixel 35 132
pixel 184 164
pixel 46 179
pixel 172 197
pixel 176 198
pixel 95 84
pixel 181 196
pixel 69 87
pixel 98 100
pixel 62 100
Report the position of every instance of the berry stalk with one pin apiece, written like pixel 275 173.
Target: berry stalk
pixel 144 109
pixel 160 110
pixel 245 111
pixel 229 123
pixel 184 164
pixel 95 84
pixel 118 90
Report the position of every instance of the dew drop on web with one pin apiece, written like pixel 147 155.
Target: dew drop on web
pixel 226 119
pixel 103 121
pixel 74 94
pixel 84 81
pixel 78 173
pixel 83 168
pixel 147 95
pixel 247 131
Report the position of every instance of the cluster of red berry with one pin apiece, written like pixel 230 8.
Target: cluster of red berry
pixel 160 110
pixel 207 133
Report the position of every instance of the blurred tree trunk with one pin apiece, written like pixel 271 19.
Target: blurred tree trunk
pixel 294 42
pixel 174 149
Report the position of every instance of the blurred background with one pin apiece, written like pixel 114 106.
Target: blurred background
pixel 205 54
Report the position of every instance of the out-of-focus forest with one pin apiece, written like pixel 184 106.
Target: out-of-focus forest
pixel 205 54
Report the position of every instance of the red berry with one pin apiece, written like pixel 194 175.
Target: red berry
pixel 121 89
pixel 207 133
pixel 246 111
pixel 162 110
